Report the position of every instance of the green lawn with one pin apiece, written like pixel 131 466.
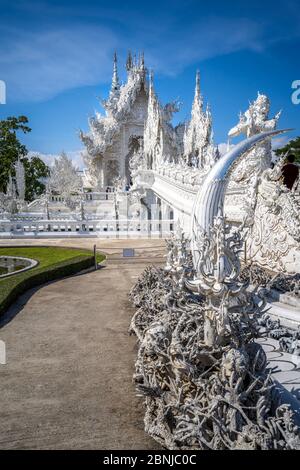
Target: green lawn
pixel 54 263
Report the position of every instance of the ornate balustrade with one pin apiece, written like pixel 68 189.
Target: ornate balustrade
pixel 98 227
pixel 178 188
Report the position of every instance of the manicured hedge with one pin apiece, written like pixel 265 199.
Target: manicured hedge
pixel 16 285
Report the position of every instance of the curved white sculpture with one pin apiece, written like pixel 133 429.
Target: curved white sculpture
pixel 210 198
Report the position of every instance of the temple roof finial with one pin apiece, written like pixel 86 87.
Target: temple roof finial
pixel 151 87
pixel 197 88
pixel 115 79
pixel 198 100
pixel 129 63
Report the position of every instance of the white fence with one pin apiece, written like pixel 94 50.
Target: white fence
pixel 102 228
pixel 91 196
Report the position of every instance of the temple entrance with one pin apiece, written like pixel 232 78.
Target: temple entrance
pixel 112 172
pixel 135 145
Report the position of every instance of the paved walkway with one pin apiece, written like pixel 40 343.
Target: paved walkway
pixel 111 246
pixel 67 383
pixel 68 378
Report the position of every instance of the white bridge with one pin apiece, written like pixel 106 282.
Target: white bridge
pixel 176 192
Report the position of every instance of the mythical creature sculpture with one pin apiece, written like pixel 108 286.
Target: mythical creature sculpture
pixel 179 261
pixel 274 238
pixel 271 210
pixel 119 184
pixel 254 121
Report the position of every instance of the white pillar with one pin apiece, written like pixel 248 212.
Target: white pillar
pixel 165 210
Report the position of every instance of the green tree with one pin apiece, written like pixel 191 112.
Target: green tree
pixel 11 149
pixel 35 169
pixel 292 147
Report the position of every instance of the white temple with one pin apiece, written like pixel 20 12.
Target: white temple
pixel 113 138
pixel 143 174
pixel 233 235
pixel 135 121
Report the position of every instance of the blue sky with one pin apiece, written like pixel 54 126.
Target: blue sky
pixel 56 59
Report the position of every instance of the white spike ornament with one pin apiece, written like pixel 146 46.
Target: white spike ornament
pixel 210 198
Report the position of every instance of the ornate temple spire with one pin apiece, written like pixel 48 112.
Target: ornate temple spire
pixel 198 144
pixel 142 62
pixel 198 100
pixel 103 129
pixel 197 88
pixel 209 119
pixel 151 87
pixel 152 134
pixel 115 85
pixel 129 62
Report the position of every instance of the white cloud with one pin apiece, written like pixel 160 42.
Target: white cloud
pixel 223 147
pixel 59 46
pixel 48 158
pixel 38 65
pixel 173 50
pixel 279 142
